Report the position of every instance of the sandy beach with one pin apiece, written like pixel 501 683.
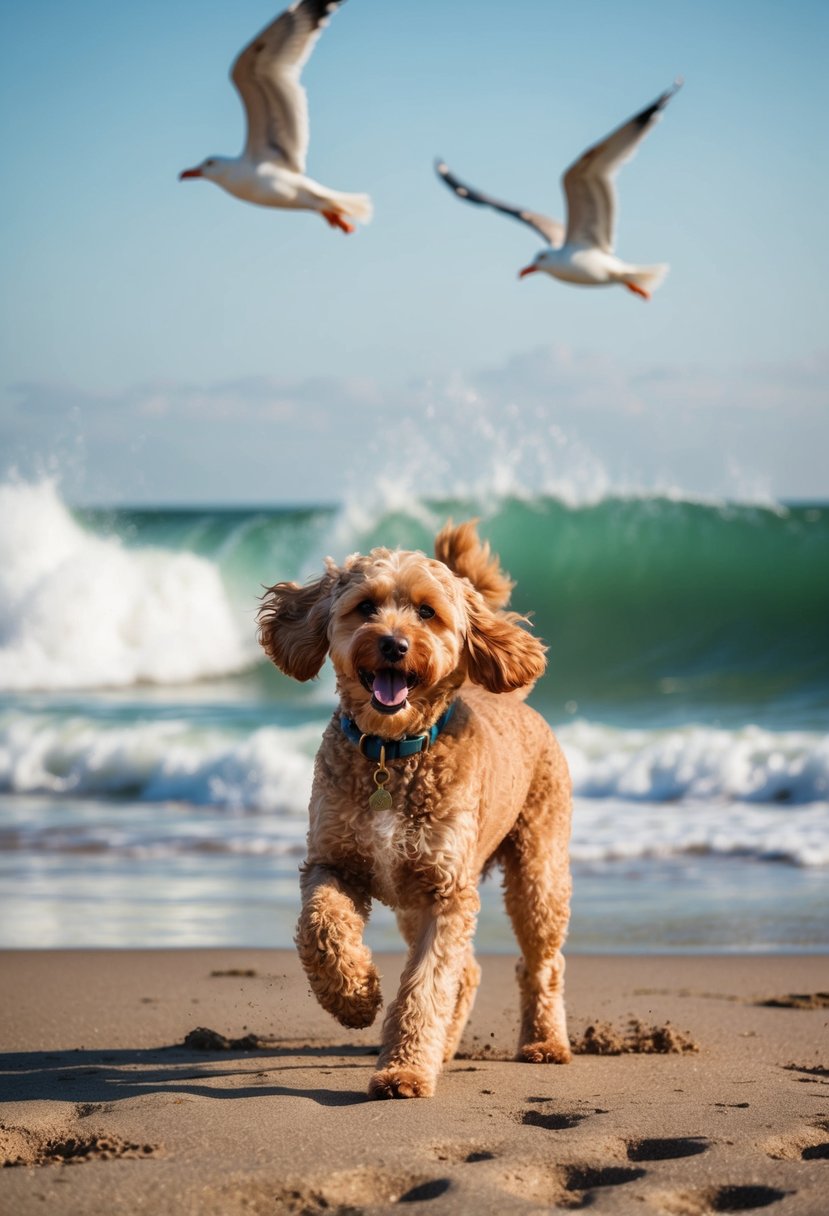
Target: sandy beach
pixel 717 1102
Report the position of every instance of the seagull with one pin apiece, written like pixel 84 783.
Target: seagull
pixel 582 252
pixel 271 169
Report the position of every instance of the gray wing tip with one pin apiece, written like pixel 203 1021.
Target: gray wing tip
pixel 320 11
pixel 655 108
pixel 679 81
pixel 448 178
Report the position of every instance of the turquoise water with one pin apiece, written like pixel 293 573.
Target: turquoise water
pixel 646 603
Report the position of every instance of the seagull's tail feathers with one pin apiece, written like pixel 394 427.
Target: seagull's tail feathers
pixel 356 206
pixel 645 278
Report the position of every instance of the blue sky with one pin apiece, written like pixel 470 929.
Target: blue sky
pixel 160 341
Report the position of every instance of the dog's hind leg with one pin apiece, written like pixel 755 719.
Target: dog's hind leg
pixel 329 939
pixel 537 894
pixel 470 979
pixel 409 924
pixel 419 1020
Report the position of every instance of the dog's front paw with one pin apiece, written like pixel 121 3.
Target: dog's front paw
pixel 401 1083
pixel 357 1005
pixel 352 999
pixel 551 1052
pixel 344 980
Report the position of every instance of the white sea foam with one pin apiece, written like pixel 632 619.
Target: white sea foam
pixel 613 830
pixel 157 761
pixel 639 793
pixel 83 611
pixel 512 449
pixel 697 764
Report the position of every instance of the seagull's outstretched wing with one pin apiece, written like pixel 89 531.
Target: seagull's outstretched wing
pixel 551 230
pixel 588 183
pixel 266 74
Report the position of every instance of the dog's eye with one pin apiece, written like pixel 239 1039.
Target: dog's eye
pixel 425 612
pixel 367 608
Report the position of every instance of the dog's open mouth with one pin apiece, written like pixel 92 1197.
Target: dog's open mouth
pixel 389 687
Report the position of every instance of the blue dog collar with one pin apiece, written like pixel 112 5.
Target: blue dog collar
pixel 373 746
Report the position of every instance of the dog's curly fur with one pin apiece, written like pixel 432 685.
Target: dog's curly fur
pixel 493 787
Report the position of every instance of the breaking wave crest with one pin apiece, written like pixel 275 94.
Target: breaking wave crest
pixel 659 599
pixel 78 610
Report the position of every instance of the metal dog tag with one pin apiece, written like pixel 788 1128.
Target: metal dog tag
pixel 381 800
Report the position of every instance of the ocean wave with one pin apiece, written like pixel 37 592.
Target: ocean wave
pixel 644 598
pixel 641 599
pixel 697 764
pixel 135 842
pixel 78 610
pixel 157 761
pixel 605 832
pixel 170 759
pixel 614 830
pixel 639 793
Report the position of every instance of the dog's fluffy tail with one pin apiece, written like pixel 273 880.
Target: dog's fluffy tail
pixel 462 550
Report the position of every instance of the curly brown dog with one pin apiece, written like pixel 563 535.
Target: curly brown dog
pixel 431 769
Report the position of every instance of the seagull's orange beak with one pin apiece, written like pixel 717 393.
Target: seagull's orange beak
pixel 189 173
pixel 522 274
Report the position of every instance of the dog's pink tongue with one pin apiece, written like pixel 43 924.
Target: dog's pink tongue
pixel 390 687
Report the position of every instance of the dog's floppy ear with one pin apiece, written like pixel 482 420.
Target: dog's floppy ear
pixel 501 655
pixel 460 548
pixel 293 625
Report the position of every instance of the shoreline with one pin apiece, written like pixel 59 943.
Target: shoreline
pixel 107 1110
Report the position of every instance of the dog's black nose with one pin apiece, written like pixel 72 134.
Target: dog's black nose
pixel 392 648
